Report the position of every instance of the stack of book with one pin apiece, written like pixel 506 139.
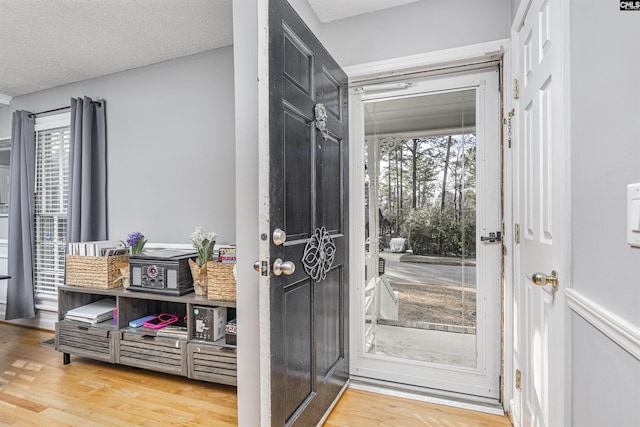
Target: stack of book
pixel 98 248
pixel 227 255
pixel 93 313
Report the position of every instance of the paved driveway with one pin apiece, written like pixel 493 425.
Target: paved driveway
pixel 436 274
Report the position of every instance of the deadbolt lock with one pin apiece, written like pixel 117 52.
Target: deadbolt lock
pixel 279 237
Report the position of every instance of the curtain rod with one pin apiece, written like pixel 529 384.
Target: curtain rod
pixel 49 111
pixel 60 109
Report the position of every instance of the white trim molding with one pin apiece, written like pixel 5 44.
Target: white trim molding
pixel 619 330
pixel 44 320
pixel 459 56
pixel 5 99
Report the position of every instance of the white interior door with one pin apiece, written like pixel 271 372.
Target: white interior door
pixel 542 212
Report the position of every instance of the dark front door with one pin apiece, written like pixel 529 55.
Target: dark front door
pixel 308 154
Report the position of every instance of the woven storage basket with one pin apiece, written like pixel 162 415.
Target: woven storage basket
pixel 95 271
pixel 221 281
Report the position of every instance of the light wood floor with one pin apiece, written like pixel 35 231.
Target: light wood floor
pixel 36 389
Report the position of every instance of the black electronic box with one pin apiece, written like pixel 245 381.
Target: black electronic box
pixel 161 271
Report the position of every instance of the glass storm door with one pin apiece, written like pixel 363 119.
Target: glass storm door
pixel 430 302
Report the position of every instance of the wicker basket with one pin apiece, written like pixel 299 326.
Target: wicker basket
pixel 99 272
pixel 221 281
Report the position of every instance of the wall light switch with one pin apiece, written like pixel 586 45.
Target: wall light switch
pixel 633 215
pixel 634 224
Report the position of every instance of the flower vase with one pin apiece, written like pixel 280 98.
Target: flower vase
pixel 199 274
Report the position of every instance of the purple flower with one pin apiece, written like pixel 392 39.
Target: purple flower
pixel 133 238
pixel 136 242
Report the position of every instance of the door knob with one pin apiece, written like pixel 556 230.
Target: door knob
pixel 279 237
pixel 256 266
pixel 286 267
pixel 541 279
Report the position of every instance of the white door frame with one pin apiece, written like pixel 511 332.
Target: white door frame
pixel 453 59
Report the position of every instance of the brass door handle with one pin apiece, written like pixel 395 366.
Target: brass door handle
pixel 541 279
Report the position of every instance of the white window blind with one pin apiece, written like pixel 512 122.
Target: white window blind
pixel 51 200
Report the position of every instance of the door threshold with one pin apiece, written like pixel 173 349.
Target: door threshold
pixel 439 397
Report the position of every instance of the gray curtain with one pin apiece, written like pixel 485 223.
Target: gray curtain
pixel 20 294
pixel 87 209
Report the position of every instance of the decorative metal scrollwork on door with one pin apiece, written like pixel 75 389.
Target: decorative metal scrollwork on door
pixel 318 254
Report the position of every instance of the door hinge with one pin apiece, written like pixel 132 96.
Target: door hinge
pixel 516 232
pixel 516 89
pixel 518 379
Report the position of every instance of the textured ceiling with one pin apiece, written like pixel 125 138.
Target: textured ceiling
pixel 332 10
pixel 49 43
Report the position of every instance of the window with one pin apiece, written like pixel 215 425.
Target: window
pixel 51 199
pixel 5 162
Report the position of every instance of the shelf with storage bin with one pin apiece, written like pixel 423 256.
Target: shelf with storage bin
pixel 115 342
pixel 140 347
pixel 152 352
pixel 215 362
pixel 94 341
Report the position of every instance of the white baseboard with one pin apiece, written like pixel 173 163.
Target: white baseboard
pixel 43 322
pixel 44 319
pixel 619 330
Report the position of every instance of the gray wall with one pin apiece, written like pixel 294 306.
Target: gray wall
pixel 606 380
pixel 605 157
pixel 308 15
pixel 170 143
pixel 605 128
pixel 415 28
pixel 515 4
